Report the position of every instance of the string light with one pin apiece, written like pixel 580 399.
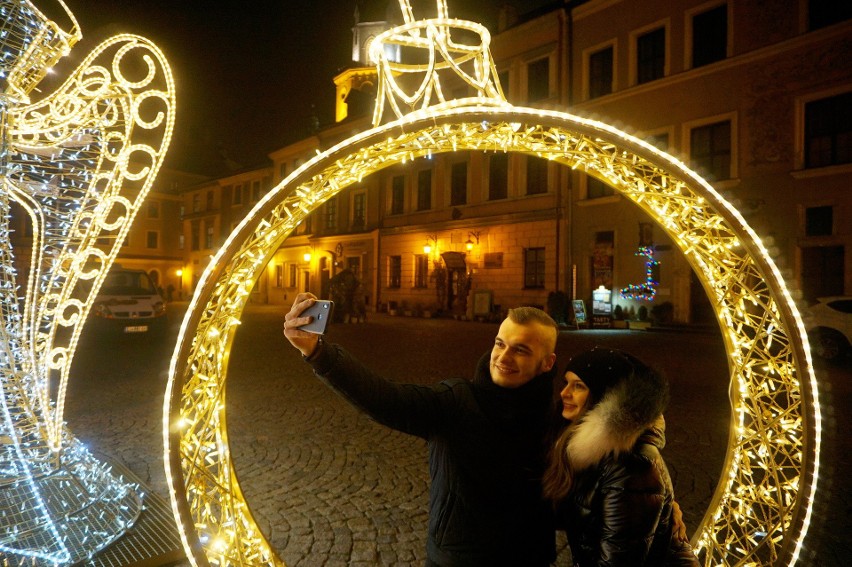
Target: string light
pixel 647 290
pixel 78 164
pixel 764 499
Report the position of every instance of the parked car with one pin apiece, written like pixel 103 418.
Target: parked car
pixel 829 326
pixel 128 303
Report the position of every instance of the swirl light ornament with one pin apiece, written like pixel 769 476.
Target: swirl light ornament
pixel 761 509
pixel 78 163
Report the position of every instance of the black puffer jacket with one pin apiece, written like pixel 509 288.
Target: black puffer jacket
pixel 486 457
pixel 619 509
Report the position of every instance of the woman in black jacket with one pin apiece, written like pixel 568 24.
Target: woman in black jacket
pixel 610 486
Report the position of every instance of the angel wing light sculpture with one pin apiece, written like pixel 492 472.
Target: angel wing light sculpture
pixel 79 162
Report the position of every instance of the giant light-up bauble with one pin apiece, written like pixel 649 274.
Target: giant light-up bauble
pixel 762 506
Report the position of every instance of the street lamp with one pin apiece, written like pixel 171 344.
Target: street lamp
pixel 473 234
pixel 427 249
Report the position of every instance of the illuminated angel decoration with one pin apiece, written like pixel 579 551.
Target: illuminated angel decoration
pixel 79 163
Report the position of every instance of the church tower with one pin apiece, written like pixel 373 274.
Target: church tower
pixel 356 86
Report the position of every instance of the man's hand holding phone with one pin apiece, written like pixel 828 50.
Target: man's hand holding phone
pixel 306 321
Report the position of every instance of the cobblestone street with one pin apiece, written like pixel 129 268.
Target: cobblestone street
pixel 330 487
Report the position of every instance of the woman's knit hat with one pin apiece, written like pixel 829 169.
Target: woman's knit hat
pixel 600 369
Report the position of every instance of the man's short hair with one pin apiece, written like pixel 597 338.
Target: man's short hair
pixel 526 315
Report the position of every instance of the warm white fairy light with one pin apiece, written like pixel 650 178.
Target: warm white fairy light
pixel 79 163
pixel 762 506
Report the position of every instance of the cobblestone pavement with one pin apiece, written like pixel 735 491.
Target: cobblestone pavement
pixel 331 488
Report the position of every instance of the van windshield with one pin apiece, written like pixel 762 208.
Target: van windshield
pixel 128 283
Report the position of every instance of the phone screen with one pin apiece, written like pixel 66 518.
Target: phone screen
pixel 321 312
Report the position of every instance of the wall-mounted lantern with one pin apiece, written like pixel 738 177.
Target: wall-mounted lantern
pixel 433 238
pixel 472 240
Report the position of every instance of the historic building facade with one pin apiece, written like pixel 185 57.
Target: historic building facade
pixel 756 99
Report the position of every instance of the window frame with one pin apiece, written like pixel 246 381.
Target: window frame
pixel 421 271
pixel 803 139
pixel 689 25
pixel 539 264
pixel 394 271
pixel 688 128
pixel 424 194
pixel 459 194
pixel 397 205
pixel 532 64
pixel 610 45
pixel 156 236
pixel 635 63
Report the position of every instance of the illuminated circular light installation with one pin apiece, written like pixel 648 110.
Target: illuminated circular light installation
pixel 78 163
pixel 762 505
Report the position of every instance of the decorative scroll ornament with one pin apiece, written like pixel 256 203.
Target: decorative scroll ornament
pixel 763 503
pixel 77 164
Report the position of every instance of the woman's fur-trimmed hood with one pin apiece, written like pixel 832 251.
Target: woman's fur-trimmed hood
pixel 614 425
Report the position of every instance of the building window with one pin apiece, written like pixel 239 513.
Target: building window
pixel 398 195
pixel 710 149
pixel 421 270
pixel 503 78
pixel 424 190
pixel 152 240
pixel 600 73
pixel 395 271
pixel 538 80
pixel 196 202
pixel 282 173
pixel 533 268
pixel 595 188
pixel 255 191
pixel 359 210
pixel 181 241
pixel 279 275
pixel 819 221
pixel 822 14
pixel 293 275
pixel 196 235
pixel 331 214
pixel 208 234
pixel 660 141
pixel 238 195
pixel 710 36
pixel 828 131
pixel 498 176
pixel 353 264
pixel 651 56
pixel 536 175
pixel 210 198
pixel 458 184
pixel 153 209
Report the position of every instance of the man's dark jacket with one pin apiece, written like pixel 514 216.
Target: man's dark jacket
pixel 486 456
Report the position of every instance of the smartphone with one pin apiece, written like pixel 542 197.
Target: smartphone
pixel 321 312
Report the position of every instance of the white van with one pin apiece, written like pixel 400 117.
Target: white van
pixel 128 303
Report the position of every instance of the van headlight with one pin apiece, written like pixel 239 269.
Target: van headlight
pixel 102 310
pixel 159 308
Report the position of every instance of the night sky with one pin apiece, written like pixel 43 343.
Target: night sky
pixel 250 74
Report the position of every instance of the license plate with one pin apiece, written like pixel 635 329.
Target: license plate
pixel 136 329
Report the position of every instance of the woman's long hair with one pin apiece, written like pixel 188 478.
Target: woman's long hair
pixel 558 477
